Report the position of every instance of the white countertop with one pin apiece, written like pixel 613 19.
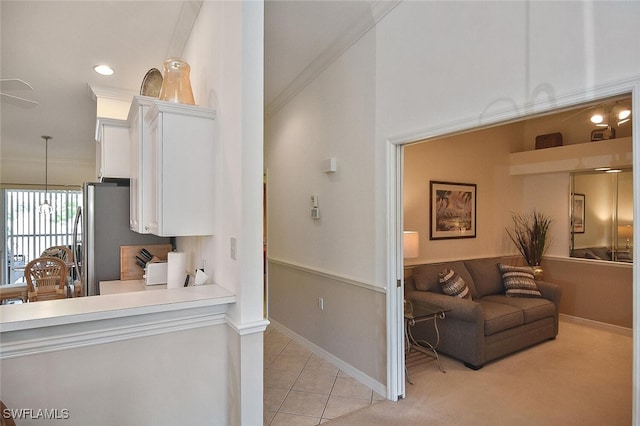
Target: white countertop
pixel 81 309
pixel 127 286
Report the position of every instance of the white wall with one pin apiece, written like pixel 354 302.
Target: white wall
pixel 149 369
pixel 333 117
pixel 332 257
pixel 225 52
pixel 437 67
pixel 31 172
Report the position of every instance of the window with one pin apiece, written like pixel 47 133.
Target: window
pixel 29 233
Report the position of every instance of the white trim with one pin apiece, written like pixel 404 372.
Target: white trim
pixel 105 92
pixel 395 274
pixel 624 331
pixel 72 337
pixel 347 368
pixel 515 114
pixel 249 327
pixel 613 264
pixel 325 274
pixel 635 417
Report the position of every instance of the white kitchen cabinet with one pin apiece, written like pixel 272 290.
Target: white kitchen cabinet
pixel 112 151
pixel 182 169
pixel 141 197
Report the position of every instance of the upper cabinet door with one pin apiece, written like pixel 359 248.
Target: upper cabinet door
pixel 182 172
pixel 140 157
pixel 112 151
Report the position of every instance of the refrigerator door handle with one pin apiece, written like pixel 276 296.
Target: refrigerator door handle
pixel 77 246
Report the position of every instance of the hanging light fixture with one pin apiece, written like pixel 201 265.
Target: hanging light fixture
pixel 46 207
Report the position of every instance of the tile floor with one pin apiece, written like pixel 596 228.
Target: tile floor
pixel 301 388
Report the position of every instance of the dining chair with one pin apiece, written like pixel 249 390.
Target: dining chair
pixel 46 279
pixel 6 416
pixel 61 252
pixel 66 254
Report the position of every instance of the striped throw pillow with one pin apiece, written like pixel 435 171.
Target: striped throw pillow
pixel 453 284
pixel 518 281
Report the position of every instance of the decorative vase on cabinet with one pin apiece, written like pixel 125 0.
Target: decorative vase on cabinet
pixel 176 83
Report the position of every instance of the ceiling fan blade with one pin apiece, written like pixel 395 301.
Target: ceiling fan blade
pixel 14 84
pixel 18 101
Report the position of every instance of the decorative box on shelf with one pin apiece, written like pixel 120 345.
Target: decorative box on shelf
pixel 549 140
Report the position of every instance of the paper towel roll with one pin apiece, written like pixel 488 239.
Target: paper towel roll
pixel 176 269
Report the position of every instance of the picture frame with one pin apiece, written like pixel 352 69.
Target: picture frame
pixel 453 210
pixel 578 213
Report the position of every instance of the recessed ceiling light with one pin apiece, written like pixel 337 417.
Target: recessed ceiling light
pixel 103 69
pixel 597 118
pixel 625 113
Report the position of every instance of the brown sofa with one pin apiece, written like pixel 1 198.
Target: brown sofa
pixel 490 325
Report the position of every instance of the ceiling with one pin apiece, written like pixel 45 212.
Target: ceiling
pixel 53 46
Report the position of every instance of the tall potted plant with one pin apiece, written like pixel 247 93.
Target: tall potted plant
pixel 530 234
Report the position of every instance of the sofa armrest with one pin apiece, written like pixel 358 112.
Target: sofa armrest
pixel 550 291
pixel 463 309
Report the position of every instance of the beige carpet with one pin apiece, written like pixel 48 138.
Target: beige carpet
pixel 584 377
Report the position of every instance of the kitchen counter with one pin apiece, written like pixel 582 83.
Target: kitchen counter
pixel 82 310
pixel 127 286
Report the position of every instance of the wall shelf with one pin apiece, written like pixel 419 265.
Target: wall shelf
pixel 573 158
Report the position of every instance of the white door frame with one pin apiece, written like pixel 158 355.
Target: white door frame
pixel 395 169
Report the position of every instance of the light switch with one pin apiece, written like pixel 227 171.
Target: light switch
pixel 234 248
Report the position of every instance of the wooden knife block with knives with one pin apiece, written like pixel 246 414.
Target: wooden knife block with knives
pixel 133 259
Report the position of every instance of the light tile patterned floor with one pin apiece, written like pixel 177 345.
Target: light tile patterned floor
pixel 301 388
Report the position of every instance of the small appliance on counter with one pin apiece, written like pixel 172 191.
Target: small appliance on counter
pixel 155 273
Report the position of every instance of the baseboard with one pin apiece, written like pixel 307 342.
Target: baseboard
pixel 624 331
pixel 366 380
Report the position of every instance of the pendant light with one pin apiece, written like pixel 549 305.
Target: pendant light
pixel 46 207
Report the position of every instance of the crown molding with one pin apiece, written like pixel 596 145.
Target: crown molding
pixel 377 11
pixel 106 92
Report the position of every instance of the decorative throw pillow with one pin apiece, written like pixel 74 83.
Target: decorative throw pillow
pixel 518 281
pixel 453 284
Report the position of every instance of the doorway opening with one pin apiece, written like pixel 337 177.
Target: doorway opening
pixel 412 221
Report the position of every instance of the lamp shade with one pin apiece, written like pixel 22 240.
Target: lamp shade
pixel 625 232
pixel 411 244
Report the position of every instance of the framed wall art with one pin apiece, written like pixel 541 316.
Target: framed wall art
pixel 453 210
pixel 577 213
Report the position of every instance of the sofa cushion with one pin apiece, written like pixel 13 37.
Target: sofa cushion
pixel 453 284
pixel 533 309
pixel 500 316
pixel 518 281
pixel 486 275
pixel 427 277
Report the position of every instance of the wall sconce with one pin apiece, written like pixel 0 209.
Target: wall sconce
pixel 624 116
pixel 411 244
pixel 625 232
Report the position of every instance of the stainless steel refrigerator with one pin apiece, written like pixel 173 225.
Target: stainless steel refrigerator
pixel 101 227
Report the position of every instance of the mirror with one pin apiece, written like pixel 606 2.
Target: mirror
pixel 602 215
